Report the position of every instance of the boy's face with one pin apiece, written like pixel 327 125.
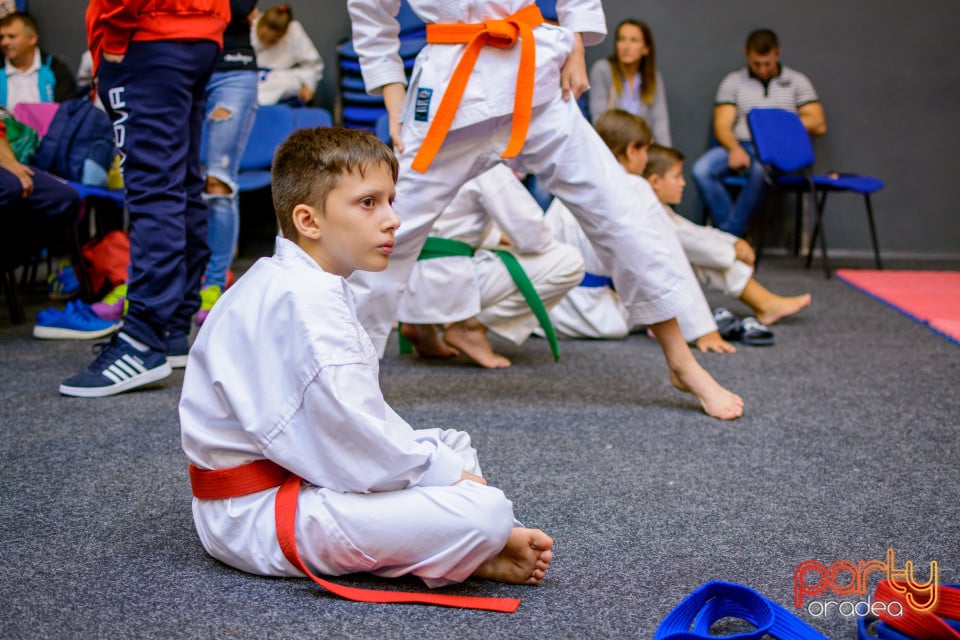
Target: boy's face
pixel 636 159
pixel 358 223
pixel 669 186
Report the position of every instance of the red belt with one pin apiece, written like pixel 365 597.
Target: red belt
pixel 919 619
pixel 261 475
pixel 502 34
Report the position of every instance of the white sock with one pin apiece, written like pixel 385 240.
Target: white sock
pixel 136 344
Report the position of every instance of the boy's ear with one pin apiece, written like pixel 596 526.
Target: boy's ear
pixel 655 181
pixel 307 221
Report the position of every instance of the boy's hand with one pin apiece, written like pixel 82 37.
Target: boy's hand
pixel 393 96
pixel 745 252
pixel 573 74
pixel 713 342
pixel 306 94
pixel 472 476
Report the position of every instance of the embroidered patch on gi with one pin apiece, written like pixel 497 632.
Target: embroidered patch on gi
pixel 422 110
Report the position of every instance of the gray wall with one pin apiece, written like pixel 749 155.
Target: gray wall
pixel 885 70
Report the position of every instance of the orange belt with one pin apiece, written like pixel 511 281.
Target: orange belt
pixel 261 475
pixel 502 34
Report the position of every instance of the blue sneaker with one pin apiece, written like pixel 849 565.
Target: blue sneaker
pixel 63 285
pixel 119 367
pixel 76 322
pixel 178 348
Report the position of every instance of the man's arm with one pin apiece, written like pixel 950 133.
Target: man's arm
pixel 813 118
pixel 724 115
pixel 9 162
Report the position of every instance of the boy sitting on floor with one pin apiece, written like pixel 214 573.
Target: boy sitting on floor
pixel 282 384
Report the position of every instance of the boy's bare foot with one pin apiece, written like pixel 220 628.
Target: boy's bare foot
pixel 779 307
pixel 523 560
pixel 470 337
pixel 715 400
pixel 686 373
pixel 427 341
pixel 713 342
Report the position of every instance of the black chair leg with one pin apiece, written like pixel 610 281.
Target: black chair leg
pixel 798 224
pixel 14 303
pixel 873 232
pixel 818 230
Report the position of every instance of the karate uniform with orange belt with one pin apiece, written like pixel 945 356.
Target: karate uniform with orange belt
pixel 282 372
pixel 496 114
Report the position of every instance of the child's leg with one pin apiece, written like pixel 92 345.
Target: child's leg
pixel 579 169
pixel 552 273
pixel 770 307
pixel 441 534
pixel 426 339
pixel 470 337
pixel 686 374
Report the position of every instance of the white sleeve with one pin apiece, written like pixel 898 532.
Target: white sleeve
pixel 377 43
pixel 346 438
pixel 514 209
pixel 584 17
pixel 704 246
pixel 307 62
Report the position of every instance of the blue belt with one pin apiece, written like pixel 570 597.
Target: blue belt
pixel 713 601
pixel 593 280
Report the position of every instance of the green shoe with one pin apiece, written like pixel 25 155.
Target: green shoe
pixel 208 298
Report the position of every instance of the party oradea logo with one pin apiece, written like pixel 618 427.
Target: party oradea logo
pixel 824 590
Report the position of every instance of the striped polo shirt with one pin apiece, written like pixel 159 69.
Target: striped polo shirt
pixel 788 90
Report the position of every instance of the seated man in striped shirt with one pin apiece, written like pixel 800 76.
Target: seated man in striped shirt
pixel 764 82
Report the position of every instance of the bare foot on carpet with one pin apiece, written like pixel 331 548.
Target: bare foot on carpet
pixel 781 307
pixel 427 341
pixel 470 337
pixel 715 400
pixel 524 559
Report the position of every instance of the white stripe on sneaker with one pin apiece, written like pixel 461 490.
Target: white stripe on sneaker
pixel 136 363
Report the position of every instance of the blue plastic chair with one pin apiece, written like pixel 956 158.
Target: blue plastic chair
pixel 311 117
pixel 272 126
pixel 382 128
pixel 784 148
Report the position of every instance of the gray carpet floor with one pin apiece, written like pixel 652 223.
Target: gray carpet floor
pixel 848 447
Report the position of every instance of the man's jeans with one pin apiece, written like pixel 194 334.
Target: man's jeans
pixel 708 173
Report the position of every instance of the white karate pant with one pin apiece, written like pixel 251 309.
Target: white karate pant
pixel 502 308
pixel 574 164
pixel 730 281
pixel 440 534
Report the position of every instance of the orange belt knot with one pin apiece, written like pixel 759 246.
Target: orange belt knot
pixel 502 34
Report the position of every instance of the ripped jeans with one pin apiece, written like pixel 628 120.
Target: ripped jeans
pixel 225 138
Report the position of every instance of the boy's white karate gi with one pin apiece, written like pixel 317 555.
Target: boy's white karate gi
pixel 597 312
pixel 712 255
pixel 442 290
pixel 561 149
pixel 283 370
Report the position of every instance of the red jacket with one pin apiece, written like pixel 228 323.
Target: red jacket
pixel 113 24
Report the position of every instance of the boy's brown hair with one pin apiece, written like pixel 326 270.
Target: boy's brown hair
pixel 622 130
pixel 661 159
pixel 309 163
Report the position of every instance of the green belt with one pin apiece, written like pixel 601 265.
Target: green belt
pixel 446 248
